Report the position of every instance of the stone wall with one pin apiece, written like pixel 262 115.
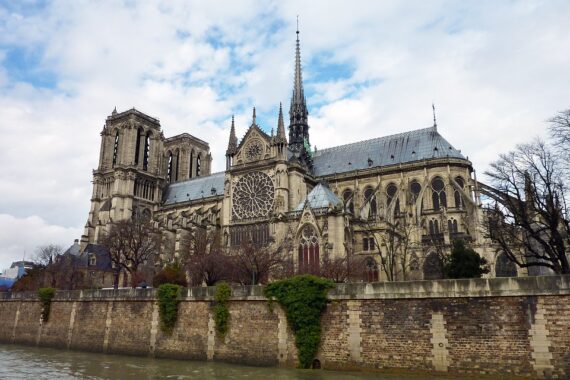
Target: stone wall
pixel 496 327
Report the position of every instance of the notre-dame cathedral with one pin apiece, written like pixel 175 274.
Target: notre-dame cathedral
pixel 413 191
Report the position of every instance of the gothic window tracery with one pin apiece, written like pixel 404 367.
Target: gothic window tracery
pixel 452 226
pixel 457 194
pixel 308 252
pixel 438 196
pixel 415 190
pixel 371 271
pixel 253 196
pixel 348 198
pixel 391 191
pixel 370 197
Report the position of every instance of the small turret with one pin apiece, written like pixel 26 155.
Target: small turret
pixel 280 140
pixel 232 145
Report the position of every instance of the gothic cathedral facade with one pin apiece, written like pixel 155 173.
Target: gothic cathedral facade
pixel 401 198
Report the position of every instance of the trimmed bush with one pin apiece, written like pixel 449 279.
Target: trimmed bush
pixel 221 311
pixel 45 295
pixel 168 306
pixel 303 299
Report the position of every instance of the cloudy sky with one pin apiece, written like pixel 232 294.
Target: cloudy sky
pixel 496 70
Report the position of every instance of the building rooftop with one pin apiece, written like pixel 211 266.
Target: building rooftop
pixel 320 197
pixel 196 188
pixel 400 148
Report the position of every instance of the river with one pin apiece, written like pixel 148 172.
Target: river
pixel 21 362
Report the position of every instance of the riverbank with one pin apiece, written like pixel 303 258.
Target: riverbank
pixel 494 327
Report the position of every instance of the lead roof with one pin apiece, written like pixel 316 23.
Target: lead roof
pixel 197 188
pixel 320 197
pixel 400 148
pixel 417 145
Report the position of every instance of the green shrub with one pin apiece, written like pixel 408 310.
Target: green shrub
pixel 464 262
pixel 221 311
pixel 168 306
pixel 303 299
pixel 45 295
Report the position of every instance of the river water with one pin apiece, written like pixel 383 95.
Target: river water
pixel 20 362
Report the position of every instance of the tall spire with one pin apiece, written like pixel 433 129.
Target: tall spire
pixel 253 119
pixel 281 126
pixel 298 113
pixel 232 144
pixel 434 119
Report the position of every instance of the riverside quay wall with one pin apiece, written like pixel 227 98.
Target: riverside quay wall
pixel 508 327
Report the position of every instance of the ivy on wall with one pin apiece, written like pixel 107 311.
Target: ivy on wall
pixel 303 299
pixel 45 295
pixel 168 306
pixel 221 311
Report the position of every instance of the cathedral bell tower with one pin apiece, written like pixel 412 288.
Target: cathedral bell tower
pixel 128 180
pixel 299 143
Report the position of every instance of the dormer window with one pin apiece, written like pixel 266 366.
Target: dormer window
pixel 92 260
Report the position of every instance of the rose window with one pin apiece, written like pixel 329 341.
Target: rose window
pixel 253 196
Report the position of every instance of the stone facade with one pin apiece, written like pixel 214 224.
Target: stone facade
pixel 276 189
pixel 495 327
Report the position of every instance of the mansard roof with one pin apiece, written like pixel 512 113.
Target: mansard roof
pixel 196 188
pixel 320 197
pixel 421 144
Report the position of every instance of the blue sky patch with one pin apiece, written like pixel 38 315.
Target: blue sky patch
pixel 24 65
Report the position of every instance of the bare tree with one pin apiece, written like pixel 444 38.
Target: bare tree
pixel 255 263
pixel 203 258
pixel 396 236
pixel 45 257
pixel 342 268
pixel 47 254
pixel 131 243
pixel 528 216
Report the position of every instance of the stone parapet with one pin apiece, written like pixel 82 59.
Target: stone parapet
pixel 479 287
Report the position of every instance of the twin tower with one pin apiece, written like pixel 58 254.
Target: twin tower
pixel 137 163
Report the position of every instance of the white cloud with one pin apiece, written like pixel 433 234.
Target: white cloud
pixel 496 72
pixel 20 237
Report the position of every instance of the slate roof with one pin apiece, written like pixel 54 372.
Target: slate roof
pixel 383 151
pixel 196 188
pixel 320 197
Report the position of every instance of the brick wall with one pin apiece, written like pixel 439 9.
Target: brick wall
pixel 495 327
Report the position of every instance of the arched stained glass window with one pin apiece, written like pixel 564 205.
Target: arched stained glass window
pixel 308 252
pixel 371 270
pixel 439 198
pixel 370 198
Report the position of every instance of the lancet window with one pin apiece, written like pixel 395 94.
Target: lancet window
pixel 308 250
pixel 146 156
pixel 191 164
pixel 438 196
pixel 169 172
pixel 198 166
pixel 370 198
pixel 391 197
pixel 348 198
pixel 116 149
pixel 371 270
pixel 457 194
